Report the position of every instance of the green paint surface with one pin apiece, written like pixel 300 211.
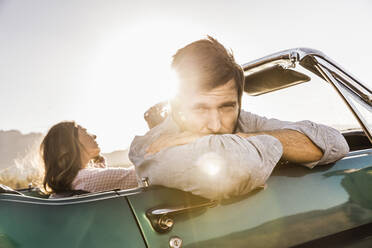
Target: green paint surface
pixel 98 223
pixel 298 205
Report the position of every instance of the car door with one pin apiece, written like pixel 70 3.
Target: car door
pixel 96 220
pixel 297 206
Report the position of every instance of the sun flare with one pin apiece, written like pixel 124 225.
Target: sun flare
pixel 211 163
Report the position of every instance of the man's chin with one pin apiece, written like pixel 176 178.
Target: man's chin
pixel 215 133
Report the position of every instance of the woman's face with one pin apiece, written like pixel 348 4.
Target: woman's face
pixel 88 141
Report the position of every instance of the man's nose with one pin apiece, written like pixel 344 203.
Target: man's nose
pixel 214 122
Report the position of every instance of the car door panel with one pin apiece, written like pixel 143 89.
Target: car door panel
pixel 299 205
pixel 97 222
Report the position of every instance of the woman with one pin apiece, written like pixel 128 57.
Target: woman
pixel 73 163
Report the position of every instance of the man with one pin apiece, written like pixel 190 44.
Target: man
pixel 209 146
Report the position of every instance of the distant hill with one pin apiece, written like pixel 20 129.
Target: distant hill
pixel 14 144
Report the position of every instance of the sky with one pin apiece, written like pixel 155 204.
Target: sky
pixel 104 63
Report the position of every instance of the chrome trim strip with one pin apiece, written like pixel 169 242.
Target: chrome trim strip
pixel 292 55
pixel 272 59
pixel 349 82
pixel 360 152
pixel 297 55
pixel 90 197
pixel 52 202
pixel 338 67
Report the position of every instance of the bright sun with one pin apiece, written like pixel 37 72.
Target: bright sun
pixel 132 72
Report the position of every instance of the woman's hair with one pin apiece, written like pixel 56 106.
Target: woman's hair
pixel 60 151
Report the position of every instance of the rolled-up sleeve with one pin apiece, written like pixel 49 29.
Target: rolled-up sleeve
pixel 329 140
pixel 215 166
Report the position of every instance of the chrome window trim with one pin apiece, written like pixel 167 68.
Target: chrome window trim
pixel 329 77
pixel 359 89
pixel 359 152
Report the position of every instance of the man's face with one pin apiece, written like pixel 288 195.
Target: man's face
pixel 212 111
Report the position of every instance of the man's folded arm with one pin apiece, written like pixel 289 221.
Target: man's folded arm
pixel 329 140
pixel 214 166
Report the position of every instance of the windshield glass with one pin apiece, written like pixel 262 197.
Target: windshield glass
pixel 315 100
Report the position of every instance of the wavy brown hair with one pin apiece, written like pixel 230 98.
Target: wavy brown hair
pixel 207 64
pixel 60 151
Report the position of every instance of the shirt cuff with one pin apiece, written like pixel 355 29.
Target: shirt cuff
pixel 329 140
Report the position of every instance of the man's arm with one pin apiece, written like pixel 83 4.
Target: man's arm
pixel 297 147
pixel 327 139
pixel 168 140
pixel 214 166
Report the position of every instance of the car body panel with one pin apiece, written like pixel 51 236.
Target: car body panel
pixel 296 199
pixel 89 222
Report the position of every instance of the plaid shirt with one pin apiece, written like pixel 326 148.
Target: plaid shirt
pixel 103 179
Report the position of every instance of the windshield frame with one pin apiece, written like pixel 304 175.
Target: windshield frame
pixel 318 63
pixel 330 74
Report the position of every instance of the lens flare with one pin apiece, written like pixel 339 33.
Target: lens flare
pixel 211 163
pixel 211 168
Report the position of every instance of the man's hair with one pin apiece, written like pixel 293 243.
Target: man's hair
pixel 207 64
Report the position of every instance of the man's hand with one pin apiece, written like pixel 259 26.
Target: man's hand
pixel 170 140
pixel 297 147
pixel 156 114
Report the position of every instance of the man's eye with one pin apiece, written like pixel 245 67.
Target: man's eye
pixel 228 107
pixel 200 109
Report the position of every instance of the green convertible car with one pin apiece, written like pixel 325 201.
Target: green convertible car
pixel 328 206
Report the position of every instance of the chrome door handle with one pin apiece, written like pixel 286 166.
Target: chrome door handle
pixel 161 218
